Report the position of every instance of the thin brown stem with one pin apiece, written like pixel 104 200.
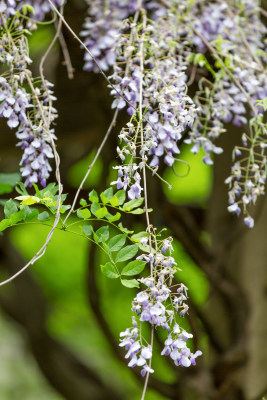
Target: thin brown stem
pixel 46 122
pixel 66 55
pixel 61 17
pixel 234 79
pixel 263 12
pixel 112 124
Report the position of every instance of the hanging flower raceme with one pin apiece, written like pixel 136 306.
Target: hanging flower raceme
pixel 30 117
pixel 237 37
pixel 248 174
pixel 40 7
pixel 102 26
pixel 167 108
pixel 158 304
pixel 101 30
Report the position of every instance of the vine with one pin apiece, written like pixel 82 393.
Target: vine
pixel 152 47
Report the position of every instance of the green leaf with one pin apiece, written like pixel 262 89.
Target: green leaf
pixel 10 208
pixel 103 233
pixel 123 229
pixel 121 196
pixel 5 223
pixel 37 191
pixel 87 230
pixel 49 196
pixel 64 208
pixel 106 195
pixel 28 200
pixel 137 236
pixel 130 205
pixel 50 190
pixel 114 201
pixel 44 216
pixel 83 202
pixel 109 271
pixel 138 211
pixel 141 211
pixel 113 218
pixel 5 188
pixel 104 199
pixel 130 283
pixel 133 268
pixel 127 253
pixel 145 248
pixel 10 179
pixel 101 212
pixel 116 243
pixel 17 217
pixel 31 216
pixel 21 189
pixel 84 213
pixel 93 196
pixel 94 208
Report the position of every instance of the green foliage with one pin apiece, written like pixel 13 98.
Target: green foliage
pixel 87 230
pixel 7 182
pixel 44 216
pixel 109 270
pixel 130 283
pixel 10 208
pixel 105 207
pixel 263 103
pixel 61 275
pixel 127 253
pixel 116 243
pixel 133 268
pixel 201 60
pixel 84 213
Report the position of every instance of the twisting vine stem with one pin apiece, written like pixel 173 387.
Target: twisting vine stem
pixel 42 251
pixel 143 14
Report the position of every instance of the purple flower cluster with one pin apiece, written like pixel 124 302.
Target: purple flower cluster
pixel 101 30
pixel 221 19
pixel 224 26
pixel 157 305
pixel 13 105
pixel 138 354
pixel 36 153
pixel 167 108
pixel 22 112
pixel 129 179
pixel 41 7
pixel 236 35
pixel 176 348
pixel 8 7
pixel 17 107
pixel 170 110
pixel 102 26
